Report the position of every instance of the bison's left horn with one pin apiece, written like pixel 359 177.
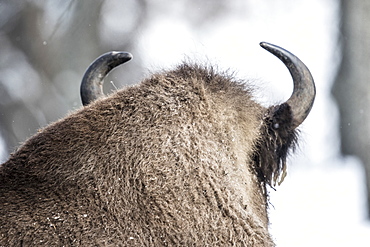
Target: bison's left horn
pixel 92 82
pixel 304 91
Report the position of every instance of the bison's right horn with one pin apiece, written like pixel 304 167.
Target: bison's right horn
pixel 92 82
pixel 304 91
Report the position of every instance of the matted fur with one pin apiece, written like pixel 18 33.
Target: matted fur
pixel 182 159
pixel 278 137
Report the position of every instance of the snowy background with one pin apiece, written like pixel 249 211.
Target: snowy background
pixel 322 200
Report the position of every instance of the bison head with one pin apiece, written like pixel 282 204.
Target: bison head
pixel 182 159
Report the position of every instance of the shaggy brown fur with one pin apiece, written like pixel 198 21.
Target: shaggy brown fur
pixel 180 160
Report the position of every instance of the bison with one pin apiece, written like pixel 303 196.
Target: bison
pixel 182 159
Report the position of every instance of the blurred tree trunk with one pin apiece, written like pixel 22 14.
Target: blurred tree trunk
pixel 48 56
pixel 352 85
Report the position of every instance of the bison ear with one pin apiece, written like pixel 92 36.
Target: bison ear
pixel 304 91
pixel 278 138
pixel 92 82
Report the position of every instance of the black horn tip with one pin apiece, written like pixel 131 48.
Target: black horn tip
pixel 113 59
pixel 276 50
pixel 125 56
pixel 267 46
pixel 264 44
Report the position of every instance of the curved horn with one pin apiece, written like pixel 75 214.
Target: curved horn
pixel 92 82
pixel 304 90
